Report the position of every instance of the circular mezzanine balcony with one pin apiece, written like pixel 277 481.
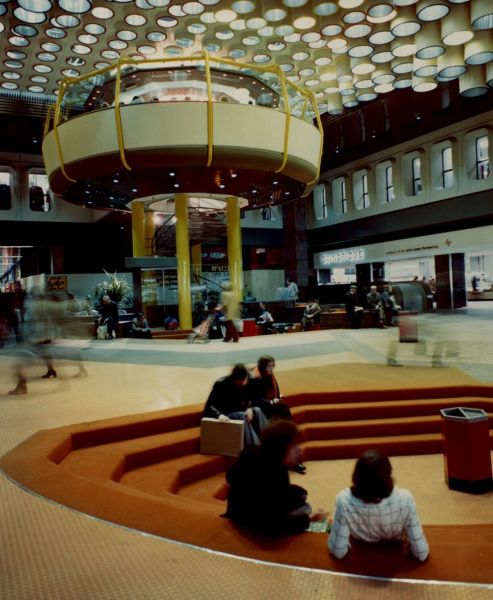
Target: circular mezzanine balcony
pixel 200 126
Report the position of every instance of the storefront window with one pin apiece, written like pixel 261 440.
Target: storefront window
pixel 482 157
pixel 39 192
pixel 5 190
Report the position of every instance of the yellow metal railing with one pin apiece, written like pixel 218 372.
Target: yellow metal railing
pixel 55 111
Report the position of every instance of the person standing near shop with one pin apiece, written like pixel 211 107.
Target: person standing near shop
pixel 353 308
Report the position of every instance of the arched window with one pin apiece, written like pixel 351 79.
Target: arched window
pixel 339 195
pixel 360 188
pixel 39 192
pixel 5 189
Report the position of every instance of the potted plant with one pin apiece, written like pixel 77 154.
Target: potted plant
pixel 118 289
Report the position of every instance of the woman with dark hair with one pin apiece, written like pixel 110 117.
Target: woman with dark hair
pixel 267 396
pixel 374 510
pixel 260 497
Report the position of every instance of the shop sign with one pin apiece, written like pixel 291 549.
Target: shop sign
pixel 344 256
pixel 56 283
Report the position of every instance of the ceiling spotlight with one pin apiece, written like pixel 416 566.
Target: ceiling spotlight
pixel 171 174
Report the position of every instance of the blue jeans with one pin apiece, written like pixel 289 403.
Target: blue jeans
pixel 251 430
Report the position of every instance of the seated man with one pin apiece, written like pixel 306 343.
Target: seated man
pixel 140 327
pixel 390 306
pixel 230 398
pixel 265 318
pixel 375 305
pixel 109 316
pixel 260 497
pixel 310 315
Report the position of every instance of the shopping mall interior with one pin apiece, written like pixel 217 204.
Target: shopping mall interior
pixel 213 168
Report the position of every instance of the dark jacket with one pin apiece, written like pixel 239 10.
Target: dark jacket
pixel 226 398
pixel 260 497
pixel 351 301
pixel 109 311
pixel 265 389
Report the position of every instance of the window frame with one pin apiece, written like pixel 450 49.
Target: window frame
pixel 365 195
pixel 389 185
pixel 447 172
pixel 343 196
pixel 480 163
pixel 417 182
pixel 7 171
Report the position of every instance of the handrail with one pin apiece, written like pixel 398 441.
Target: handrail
pixel 210 110
pixel 118 118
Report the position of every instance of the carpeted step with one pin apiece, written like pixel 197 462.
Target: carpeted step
pixel 371 428
pixel 323 413
pixel 176 334
pixel 171 475
pixel 427 443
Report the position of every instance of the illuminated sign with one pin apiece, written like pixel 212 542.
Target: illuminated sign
pixel 344 256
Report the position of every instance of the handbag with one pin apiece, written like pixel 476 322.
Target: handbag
pixel 102 332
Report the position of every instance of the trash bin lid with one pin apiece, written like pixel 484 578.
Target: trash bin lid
pixel 465 414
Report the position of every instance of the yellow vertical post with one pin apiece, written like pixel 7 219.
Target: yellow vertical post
pixel 183 262
pixel 197 259
pixel 149 232
pixel 235 261
pixel 138 229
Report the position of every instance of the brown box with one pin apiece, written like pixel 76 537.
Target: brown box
pixel 224 438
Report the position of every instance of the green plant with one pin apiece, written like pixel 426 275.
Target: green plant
pixel 117 289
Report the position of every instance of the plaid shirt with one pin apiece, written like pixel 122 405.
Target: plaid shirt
pixel 393 518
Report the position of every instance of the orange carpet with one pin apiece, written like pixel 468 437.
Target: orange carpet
pixel 130 470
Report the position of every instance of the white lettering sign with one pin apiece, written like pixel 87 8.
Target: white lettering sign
pixel 344 256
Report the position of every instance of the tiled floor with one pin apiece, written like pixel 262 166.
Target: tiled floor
pixel 49 552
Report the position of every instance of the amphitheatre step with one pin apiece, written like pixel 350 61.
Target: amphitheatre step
pixel 314 413
pixel 169 476
pixel 176 334
pixel 380 395
pixel 371 428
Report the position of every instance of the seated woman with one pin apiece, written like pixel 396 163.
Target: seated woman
pixel 230 398
pixel 372 510
pixel 140 327
pixel 260 497
pixel 267 396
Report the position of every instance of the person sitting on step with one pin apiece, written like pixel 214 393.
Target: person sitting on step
pixel 310 316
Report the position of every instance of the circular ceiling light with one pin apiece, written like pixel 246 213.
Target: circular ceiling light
pixel 267 31
pixel 310 37
pixel 357 31
pixel 286 67
pixel 87 38
pixel 402 82
pixel 379 9
pixel 126 35
pixel 380 35
pixel 424 68
pixel 210 2
pixel 13 64
pixel 403 46
pixel 429 42
pixel 147 50
pixel 405 24
pixel 75 61
pixel 94 28
pixel 300 55
pixel 68 20
pixel 284 30
pixel 357 51
pixel 275 14
pixel 28 16
pixel 276 46
pixel 251 40
pixel 401 66
pixel 39 79
pixel 110 54
pixel 261 58
pixel 292 38
pixel 81 49
pixel 237 53
pixel 25 30
pixel 55 33
pixel 256 23
pixel 350 3
pixel 306 72
pixel 117 44
pixel 331 30
pixel 193 8
pixel 366 96
pixel 75 6
pixel 225 16
pixel 322 61
pixel 51 47
pixel 382 76
pixel 423 84
pixel 324 9
pixel 304 22
pixel 321 43
pixel 238 25
pixel 456 28
pixel 432 10
pixel 184 42
pixel 479 50
pixel 176 10
pixel 482 14
pixel 101 65
pixel 451 63
pixel 70 73
pixel 143 4
pixel 166 21
pixel 223 35
pixel 11 75
pixel 102 12
pixel 294 3
pixel 46 56
pixel 473 83
pixel 159 3
pixel 194 28
pixel 243 7
pixel 16 54
pixel 37 89
pixel 384 55
pixel 208 17
pixel 9 85
pixel 312 82
pixel 3 10
pixel 135 20
pixel 384 88
pixel 42 68
pixel 42 6
pixel 355 16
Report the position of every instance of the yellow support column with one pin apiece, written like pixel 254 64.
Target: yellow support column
pixel 149 232
pixel 197 259
pixel 138 229
pixel 235 260
pixel 183 262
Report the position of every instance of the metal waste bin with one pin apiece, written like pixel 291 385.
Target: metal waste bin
pixel 467 449
pixel 408 326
